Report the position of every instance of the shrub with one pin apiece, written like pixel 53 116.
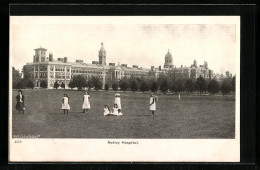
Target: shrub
pixel 56 85
pixel 62 85
pixel 43 84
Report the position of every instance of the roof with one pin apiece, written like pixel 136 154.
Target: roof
pixel 40 49
pixel 48 62
pixel 76 64
pixel 168 55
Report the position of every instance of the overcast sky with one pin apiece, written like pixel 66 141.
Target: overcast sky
pixel 144 45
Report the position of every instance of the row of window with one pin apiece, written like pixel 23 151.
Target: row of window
pixel 41 75
pixel 86 71
pixel 62 77
pixel 135 74
pixel 88 76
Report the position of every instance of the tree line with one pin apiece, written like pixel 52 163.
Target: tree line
pixel 164 84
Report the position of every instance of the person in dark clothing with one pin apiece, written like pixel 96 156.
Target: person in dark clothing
pixel 20 102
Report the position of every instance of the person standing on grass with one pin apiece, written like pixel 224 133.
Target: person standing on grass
pixel 118 102
pixel 20 102
pixel 86 103
pixel 65 104
pixel 153 100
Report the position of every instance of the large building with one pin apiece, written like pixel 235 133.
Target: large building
pixel 48 69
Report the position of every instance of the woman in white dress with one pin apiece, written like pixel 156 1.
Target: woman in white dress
pixel 65 104
pixel 107 111
pixel 86 103
pixel 118 102
pixel 115 110
pixel 152 103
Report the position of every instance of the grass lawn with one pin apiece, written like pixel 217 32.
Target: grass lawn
pixel 191 117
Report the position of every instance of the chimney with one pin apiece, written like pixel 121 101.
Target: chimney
pixel 181 66
pixel 50 57
pixel 79 61
pixel 61 59
pixel 152 68
pixel 95 62
pixel 160 68
pixel 65 59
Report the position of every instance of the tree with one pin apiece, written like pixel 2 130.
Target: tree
pixel 25 82
pixel 154 86
pixel 79 81
pixel 43 84
pixel 179 86
pixel 62 85
pixel 71 84
pixel 56 85
pixel 16 77
pixel 201 85
pixel 114 86
pixel 123 84
pixel 30 84
pixel 133 85
pixel 213 87
pixel 164 86
pixel 89 84
pixel 96 83
pixel 162 78
pixel 106 87
pixel 27 78
pixel 225 87
pixel 144 86
pixel 189 86
pixel 174 88
pixel 233 83
pixel 26 73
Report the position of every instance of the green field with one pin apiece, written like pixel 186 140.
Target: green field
pixel 191 117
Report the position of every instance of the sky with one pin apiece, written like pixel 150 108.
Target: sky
pixel 139 44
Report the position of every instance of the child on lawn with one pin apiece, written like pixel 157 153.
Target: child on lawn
pixel 115 110
pixel 118 102
pixel 86 103
pixel 65 104
pixel 153 100
pixel 107 111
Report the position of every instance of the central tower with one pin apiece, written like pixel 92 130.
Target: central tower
pixel 102 55
pixel 168 60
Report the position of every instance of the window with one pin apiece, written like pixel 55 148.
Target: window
pixel 43 68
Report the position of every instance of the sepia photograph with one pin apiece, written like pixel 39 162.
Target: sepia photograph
pixel 124 84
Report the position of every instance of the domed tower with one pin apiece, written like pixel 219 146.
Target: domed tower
pixel 102 55
pixel 168 60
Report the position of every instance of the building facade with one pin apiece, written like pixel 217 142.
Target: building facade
pixel 46 68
